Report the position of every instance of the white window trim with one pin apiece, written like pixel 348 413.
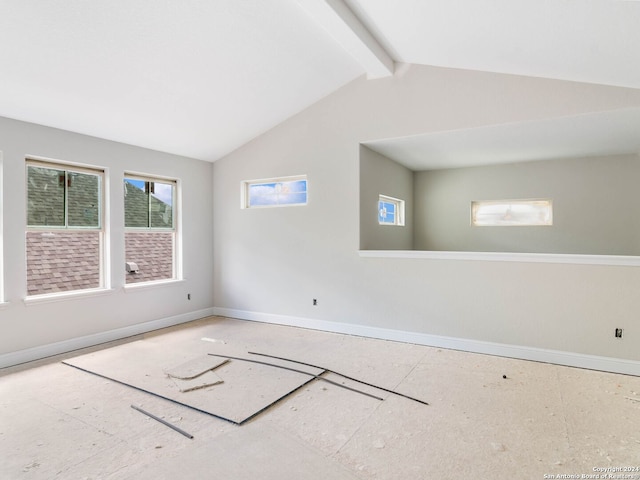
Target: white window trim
pixel 244 191
pixel 68 295
pixel 177 228
pixel 105 241
pixel 399 220
pixel 53 163
pixel 132 287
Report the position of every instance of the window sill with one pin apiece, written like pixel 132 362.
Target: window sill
pixel 615 260
pixel 150 285
pixel 63 296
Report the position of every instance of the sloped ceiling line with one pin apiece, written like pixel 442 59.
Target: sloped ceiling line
pixel 200 78
pixel 345 27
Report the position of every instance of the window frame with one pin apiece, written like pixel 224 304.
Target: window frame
pixel 399 219
pixel 476 204
pixel 155 179
pixel 104 282
pixel 176 229
pixel 245 187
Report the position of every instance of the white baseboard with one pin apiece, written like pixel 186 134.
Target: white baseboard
pixel 558 357
pixel 44 351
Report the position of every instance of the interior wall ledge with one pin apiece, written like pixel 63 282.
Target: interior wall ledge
pixel 568 258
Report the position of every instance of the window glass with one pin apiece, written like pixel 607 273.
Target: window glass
pixel 150 234
pixel 161 205
pixel 136 203
pixel 45 196
pixel 276 192
pixel 62 261
pixel 386 212
pixel 390 211
pixel 64 238
pixel 511 213
pixel 83 199
pixel 148 204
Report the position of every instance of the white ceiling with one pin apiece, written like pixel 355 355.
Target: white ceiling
pixel 594 41
pixel 605 133
pixel 192 77
pixel 202 77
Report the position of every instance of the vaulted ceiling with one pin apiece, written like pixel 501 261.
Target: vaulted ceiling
pixel 202 77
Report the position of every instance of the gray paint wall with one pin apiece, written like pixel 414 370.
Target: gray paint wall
pixel 35 325
pixel 274 261
pixel 595 206
pixel 381 176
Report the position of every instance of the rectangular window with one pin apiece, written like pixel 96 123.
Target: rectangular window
pixel 537 212
pixel 390 211
pixel 275 192
pixel 150 229
pixel 65 234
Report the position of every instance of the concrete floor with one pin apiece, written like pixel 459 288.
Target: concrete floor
pixel 59 422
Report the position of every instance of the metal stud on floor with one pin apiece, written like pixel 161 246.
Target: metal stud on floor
pixel 342 375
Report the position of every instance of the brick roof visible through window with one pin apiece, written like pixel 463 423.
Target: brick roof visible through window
pixel 62 261
pixel 152 252
pixel 66 260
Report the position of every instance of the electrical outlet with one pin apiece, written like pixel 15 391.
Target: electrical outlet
pixel 315 302
pixel 188 296
pixel 618 333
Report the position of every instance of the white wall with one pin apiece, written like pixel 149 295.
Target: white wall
pixel 33 330
pixel 381 176
pixel 270 263
pixel 596 204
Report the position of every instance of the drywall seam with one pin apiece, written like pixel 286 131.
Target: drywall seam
pixel 44 351
pixel 557 357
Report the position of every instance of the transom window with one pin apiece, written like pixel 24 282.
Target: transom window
pixel 390 211
pixel 65 235
pixel 150 229
pixel 275 192
pixel 537 212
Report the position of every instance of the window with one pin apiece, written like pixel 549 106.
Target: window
pixel 65 234
pixel 275 192
pixel 512 213
pixel 150 229
pixel 390 211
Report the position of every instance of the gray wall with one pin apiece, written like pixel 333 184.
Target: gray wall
pixel 382 176
pixel 595 206
pixel 41 324
pixel 274 261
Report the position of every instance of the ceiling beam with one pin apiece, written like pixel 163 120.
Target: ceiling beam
pixel 345 27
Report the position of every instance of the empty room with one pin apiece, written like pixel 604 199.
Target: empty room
pixel 312 239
